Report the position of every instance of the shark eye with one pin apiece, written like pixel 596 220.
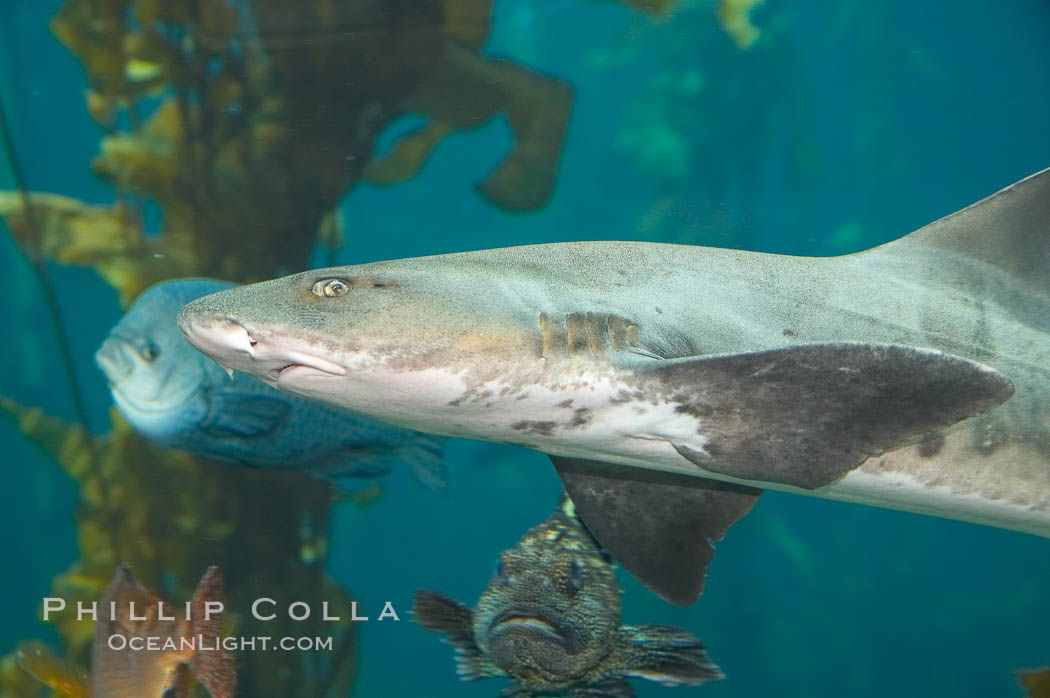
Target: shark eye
pixel 575 576
pixel 331 288
pixel 149 352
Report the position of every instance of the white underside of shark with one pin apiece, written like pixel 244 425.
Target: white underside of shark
pixel 641 434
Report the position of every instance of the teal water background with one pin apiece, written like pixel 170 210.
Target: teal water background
pixel 862 121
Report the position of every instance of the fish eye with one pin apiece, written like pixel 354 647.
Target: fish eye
pixel 331 288
pixel 575 576
pixel 149 352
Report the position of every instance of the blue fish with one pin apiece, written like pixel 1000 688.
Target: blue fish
pixel 178 398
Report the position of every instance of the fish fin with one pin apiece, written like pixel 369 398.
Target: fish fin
pixel 61 676
pixel 426 458
pixel 349 465
pixel 123 589
pixel 671 656
pixel 806 415
pixel 424 455
pixel 657 525
pixel 436 611
pixel 122 671
pixel 216 669
pixel 1009 230
pixel 232 413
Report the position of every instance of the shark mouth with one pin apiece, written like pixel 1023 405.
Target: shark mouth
pixel 300 359
pixel 265 355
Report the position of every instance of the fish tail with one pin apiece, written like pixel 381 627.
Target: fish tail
pixel 212 665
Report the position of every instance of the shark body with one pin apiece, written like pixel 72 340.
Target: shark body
pixel 671 384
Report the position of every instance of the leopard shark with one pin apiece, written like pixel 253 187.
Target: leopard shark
pixel 672 384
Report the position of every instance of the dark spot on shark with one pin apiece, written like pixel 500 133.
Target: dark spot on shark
pixel 930 446
pixel 532 426
pixel 470 394
pixel 988 435
pixel 580 417
pixel 693 409
pixel 521 397
pixel 627 396
pixel 565 403
pixel 789 332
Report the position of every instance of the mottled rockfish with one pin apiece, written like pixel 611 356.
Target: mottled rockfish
pixel 550 620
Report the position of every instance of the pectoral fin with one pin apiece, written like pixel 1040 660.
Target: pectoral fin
pixel 806 415
pixel 671 656
pixel 232 413
pixel 436 611
pixel 657 525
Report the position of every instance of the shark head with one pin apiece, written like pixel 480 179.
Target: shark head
pixel 379 339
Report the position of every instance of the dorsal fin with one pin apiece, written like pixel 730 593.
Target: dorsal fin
pixel 1009 230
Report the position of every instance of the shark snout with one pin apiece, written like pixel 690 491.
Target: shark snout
pixel 234 346
pixel 221 338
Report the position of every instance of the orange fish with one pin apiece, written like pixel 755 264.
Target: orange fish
pixel 145 649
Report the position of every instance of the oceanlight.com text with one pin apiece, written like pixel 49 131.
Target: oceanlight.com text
pixel 199 643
